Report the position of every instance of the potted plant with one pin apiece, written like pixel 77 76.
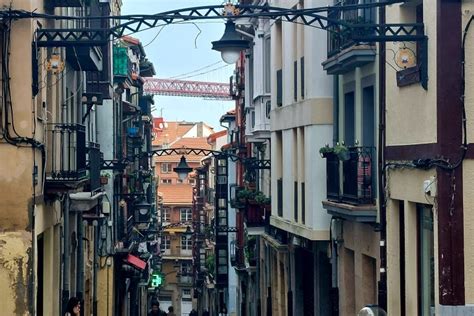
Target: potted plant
pixel 104 178
pixel 261 199
pixel 326 151
pixel 342 152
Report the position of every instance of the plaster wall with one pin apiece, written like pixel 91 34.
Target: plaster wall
pixel 16 187
pixel 411 110
pixel 359 267
pixel 307 158
pixel 406 187
pixel 105 288
pixel 467 12
pixel 15 272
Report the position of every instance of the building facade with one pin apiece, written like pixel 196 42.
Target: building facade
pixel 176 211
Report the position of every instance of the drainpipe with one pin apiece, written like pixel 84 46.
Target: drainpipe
pixel 80 262
pixel 382 295
pixel 96 256
pixel 334 275
pixel 335 110
pixel 66 257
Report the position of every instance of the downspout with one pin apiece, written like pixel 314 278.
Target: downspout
pixel 382 295
pixel 80 262
pixel 66 257
pixel 96 264
pixel 334 275
pixel 335 110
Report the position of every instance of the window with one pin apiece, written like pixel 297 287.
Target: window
pixel 192 181
pixel 425 251
pixel 186 243
pixel 266 64
pixel 166 167
pixel 186 269
pixel 186 214
pixel 302 76
pixel 186 295
pixel 295 80
pixel 166 243
pixel 166 181
pixel 279 92
pixel 166 214
pixel 280 197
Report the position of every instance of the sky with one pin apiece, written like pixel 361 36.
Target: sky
pixel 180 49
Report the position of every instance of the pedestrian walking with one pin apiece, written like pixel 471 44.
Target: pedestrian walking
pixel 223 311
pixel 193 313
pixel 73 307
pixel 155 309
pixel 171 311
pixel 205 313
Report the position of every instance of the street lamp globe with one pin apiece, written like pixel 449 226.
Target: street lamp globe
pixel 231 44
pixel 143 207
pixel 182 169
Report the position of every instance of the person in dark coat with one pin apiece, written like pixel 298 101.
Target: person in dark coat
pixel 155 309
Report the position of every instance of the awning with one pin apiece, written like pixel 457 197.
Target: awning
pixel 174 230
pixel 84 201
pixel 136 262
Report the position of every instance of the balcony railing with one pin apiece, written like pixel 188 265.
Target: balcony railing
pixel 357 180
pixel 255 215
pixel 339 38
pixel 68 152
pixel 123 66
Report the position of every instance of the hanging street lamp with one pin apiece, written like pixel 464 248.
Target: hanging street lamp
pixel 182 169
pixel 231 44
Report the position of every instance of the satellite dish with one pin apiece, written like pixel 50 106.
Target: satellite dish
pixel 405 58
pixel 160 125
pixel 166 125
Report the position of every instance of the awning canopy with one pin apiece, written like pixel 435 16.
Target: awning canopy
pixel 136 262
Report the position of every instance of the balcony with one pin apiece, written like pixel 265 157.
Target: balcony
pixel 258 120
pixel 185 279
pixel 343 53
pixel 66 168
pixel 351 185
pixel 64 3
pixel 255 215
pixel 85 58
pixel 123 67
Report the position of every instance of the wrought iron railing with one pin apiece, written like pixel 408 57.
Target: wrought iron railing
pixel 255 215
pixel 67 143
pixel 332 176
pixel 339 37
pixel 358 182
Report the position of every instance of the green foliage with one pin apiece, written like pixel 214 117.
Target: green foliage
pixel 342 152
pixel 326 150
pixel 257 197
pixel 211 263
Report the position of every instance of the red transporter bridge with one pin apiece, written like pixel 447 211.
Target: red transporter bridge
pixel 184 88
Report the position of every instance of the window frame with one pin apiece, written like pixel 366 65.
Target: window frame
pixel 166 167
pixel 186 242
pixel 189 214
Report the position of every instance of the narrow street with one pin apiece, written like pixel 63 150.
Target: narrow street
pixel 236 158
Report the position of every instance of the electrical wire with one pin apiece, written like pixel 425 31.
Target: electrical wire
pixel 206 72
pixel 199 69
pixel 156 36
